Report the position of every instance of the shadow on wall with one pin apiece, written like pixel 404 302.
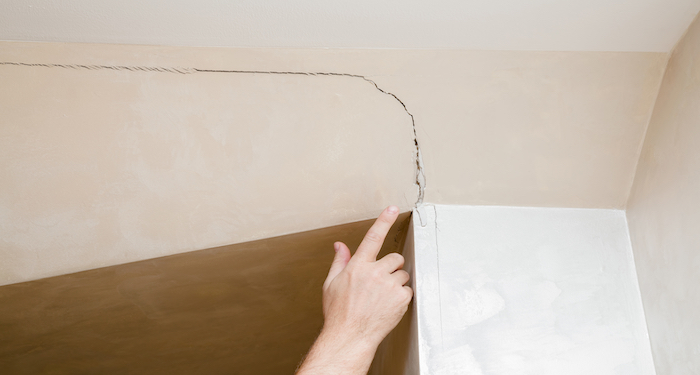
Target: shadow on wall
pixel 251 308
pixel 398 353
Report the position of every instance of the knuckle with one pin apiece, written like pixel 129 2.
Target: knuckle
pixel 393 260
pixel 408 293
pixel 386 219
pixel 373 236
pixel 350 267
pixel 352 272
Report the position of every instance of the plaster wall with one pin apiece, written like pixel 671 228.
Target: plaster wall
pixel 102 167
pixel 115 163
pixel 664 214
pixel 506 290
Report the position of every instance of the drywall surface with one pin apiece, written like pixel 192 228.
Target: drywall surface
pixel 588 25
pixel 398 353
pixel 111 154
pixel 664 214
pixel 504 290
pixel 534 129
pixel 247 309
pixel 103 166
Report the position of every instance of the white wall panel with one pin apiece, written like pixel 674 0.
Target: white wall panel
pixel 505 290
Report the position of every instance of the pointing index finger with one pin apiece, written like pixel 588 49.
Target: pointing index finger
pixel 372 243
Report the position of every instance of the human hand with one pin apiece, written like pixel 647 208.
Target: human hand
pixel 365 298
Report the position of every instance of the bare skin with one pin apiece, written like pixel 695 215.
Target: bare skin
pixel 363 300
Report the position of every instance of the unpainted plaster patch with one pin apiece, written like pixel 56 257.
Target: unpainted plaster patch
pixel 420 175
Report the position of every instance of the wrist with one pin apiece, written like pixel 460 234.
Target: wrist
pixel 339 352
pixel 348 340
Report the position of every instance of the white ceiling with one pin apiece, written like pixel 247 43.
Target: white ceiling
pixel 556 25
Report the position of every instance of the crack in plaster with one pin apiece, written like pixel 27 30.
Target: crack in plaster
pixel 106 67
pixel 420 175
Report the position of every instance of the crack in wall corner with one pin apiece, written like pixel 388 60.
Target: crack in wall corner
pixel 146 203
pixel 419 168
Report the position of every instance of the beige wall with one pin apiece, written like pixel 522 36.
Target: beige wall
pixel 103 166
pixel 547 129
pixel 664 214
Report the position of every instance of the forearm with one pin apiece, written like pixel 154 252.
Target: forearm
pixel 337 353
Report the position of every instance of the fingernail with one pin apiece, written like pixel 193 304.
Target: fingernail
pixel 336 246
pixel 392 209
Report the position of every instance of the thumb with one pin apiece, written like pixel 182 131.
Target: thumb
pixel 342 257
